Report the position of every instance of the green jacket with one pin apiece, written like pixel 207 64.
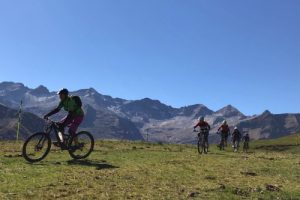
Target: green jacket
pixel 70 106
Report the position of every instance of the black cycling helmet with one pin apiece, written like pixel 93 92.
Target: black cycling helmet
pixel 63 91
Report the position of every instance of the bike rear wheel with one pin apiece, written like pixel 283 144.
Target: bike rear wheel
pixel 36 147
pixel 81 145
pixel 235 146
pixel 246 147
pixel 205 147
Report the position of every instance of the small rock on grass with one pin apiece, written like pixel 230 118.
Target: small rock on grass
pixel 222 186
pixel 272 188
pixel 240 192
pixel 258 189
pixel 209 177
pixel 249 173
pixel 194 194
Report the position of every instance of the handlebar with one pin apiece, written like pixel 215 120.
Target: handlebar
pixel 200 131
pixel 51 122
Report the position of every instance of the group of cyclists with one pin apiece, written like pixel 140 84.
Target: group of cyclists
pixel 73 104
pixel 224 132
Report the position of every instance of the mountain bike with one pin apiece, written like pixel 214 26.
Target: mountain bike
pixel 235 145
pixel 38 145
pixel 246 147
pixel 202 144
pixel 222 142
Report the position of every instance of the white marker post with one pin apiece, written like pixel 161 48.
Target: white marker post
pixel 19 120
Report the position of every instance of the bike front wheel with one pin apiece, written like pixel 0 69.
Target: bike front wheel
pixel 81 145
pixel 36 147
pixel 222 144
pixel 200 150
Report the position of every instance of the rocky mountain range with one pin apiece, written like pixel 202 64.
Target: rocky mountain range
pixel 148 119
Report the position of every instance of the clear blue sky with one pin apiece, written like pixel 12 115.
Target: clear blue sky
pixel 215 52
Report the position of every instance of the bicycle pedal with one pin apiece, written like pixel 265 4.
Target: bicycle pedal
pixel 57 144
pixel 64 148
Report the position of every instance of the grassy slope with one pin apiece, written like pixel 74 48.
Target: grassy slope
pixel 129 170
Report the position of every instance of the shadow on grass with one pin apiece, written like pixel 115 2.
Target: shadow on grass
pixel 12 155
pixel 278 148
pixel 44 163
pixel 223 153
pixel 89 163
pixel 99 165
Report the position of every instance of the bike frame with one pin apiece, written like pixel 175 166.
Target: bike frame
pixel 201 138
pixel 246 146
pixel 53 127
pixel 222 142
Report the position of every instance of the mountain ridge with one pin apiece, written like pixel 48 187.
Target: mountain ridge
pixel 148 117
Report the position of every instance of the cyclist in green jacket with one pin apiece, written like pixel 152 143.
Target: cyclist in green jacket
pixel 75 113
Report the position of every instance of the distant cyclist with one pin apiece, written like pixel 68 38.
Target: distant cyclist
pixel 236 137
pixel 246 140
pixel 204 128
pixel 75 113
pixel 225 132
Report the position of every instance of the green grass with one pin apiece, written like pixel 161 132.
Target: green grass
pixel 136 170
pixel 289 144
